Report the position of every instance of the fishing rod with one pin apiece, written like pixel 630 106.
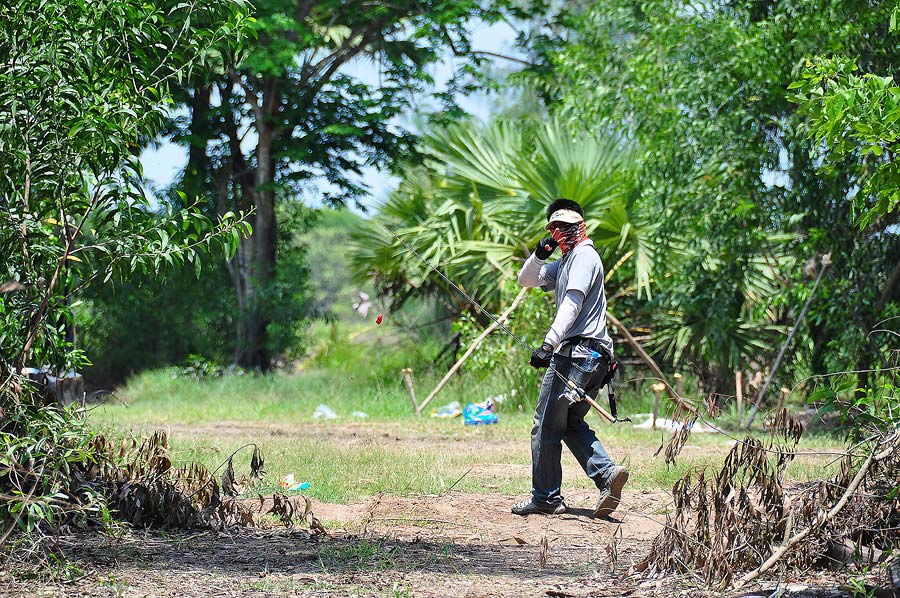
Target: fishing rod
pixel 579 392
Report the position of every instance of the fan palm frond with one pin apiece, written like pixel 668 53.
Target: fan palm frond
pixel 479 202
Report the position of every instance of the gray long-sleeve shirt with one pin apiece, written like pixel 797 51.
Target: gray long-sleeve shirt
pixel 577 279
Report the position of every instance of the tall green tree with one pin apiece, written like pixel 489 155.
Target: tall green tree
pixel 728 166
pixel 288 113
pixel 82 85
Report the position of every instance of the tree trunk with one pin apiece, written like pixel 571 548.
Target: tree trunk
pixel 196 173
pixel 239 269
pixel 253 350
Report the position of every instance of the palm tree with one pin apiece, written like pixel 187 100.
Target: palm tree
pixel 477 204
pixel 722 315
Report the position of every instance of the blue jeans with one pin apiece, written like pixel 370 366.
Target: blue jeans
pixel 556 420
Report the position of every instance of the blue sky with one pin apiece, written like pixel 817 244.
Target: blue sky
pixel 163 161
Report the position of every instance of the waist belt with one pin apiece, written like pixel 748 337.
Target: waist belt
pixel 591 343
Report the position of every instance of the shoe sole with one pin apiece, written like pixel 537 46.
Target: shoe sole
pixel 606 507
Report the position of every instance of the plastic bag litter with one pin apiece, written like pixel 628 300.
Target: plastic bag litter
pixel 290 484
pixel 502 397
pixel 324 412
pixel 360 414
pixel 663 423
pixel 449 410
pixel 480 413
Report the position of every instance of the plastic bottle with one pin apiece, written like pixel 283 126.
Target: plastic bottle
pixel 591 362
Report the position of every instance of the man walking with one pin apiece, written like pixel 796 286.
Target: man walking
pixel 578 330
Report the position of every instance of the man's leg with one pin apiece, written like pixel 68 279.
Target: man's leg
pixel 550 420
pixel 593 458
pixel 585 446
pixel 579 437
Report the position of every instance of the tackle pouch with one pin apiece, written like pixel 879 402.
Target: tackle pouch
pixel 584 369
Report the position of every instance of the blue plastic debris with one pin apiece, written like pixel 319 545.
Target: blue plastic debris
pixel 479 414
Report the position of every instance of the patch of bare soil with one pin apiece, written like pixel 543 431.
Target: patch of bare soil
pixel 451 545
pixel 457 544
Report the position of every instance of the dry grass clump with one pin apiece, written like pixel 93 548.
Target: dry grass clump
pixel 736 525
pixel 144 489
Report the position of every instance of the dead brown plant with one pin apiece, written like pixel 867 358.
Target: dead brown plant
pixel 741 522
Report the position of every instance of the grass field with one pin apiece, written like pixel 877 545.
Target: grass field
pixel 411 505
pixel 391 450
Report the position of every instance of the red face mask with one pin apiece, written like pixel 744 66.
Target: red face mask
pixel 569 235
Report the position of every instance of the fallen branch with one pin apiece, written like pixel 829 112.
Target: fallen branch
pixel 840 504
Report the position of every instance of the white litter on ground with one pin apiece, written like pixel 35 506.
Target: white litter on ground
pixel 324 412
pixel 663 423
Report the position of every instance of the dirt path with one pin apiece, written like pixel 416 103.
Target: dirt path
pixel 450 545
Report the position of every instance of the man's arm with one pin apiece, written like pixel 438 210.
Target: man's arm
pixel 530 274
pixel 536 273
pixel 565 316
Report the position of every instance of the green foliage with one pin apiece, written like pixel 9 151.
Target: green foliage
pixel 387 350
pixel 706 318
pixel 856 118
pixel 311 119
pixel 726 167
pixel 863 412
pixel 72 112
pixel 477 206
pixel 41 449
pixel 198 368
pixel 81 84
pixel 289 296
pixel 192 316
pixel 149 323
pixel 327 253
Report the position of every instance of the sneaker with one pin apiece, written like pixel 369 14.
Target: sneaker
pixel 611 492
pixel 529 507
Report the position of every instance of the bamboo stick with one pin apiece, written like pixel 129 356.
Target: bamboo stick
pixel 658 388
